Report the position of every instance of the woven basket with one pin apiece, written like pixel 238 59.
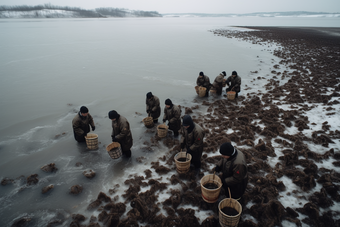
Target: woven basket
pixel 202 91
pixel 197 89
pixel 211 195
pixel 162 130
pixel 182 167
pixel 91 141
pixel 226 220
pixel 148 122
pixel 231 95
pixel 114 149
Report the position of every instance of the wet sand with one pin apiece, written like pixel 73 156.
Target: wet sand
pixel 257 121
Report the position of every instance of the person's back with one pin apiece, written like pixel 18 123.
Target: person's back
pixel 218 83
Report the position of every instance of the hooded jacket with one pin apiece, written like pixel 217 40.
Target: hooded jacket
pixel 81 125
pixel 121 131
pixel 153 106
pixel 173 115
pixel 218 82
pixel 235 174
pixel 235 83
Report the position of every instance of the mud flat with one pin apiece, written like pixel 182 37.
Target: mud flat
pixel 289 135
pixel 276 130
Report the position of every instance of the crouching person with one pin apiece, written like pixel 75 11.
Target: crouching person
pixel 192 140
pixel 172 113
pixel 234 171
pixel 153 107
pixel 121 132
pixel 81 124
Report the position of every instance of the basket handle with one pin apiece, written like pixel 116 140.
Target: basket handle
pixel 229 193
pixel 214 176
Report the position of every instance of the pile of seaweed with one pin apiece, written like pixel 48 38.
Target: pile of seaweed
pixel 255 121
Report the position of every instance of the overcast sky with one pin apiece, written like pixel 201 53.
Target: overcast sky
pixel 195 6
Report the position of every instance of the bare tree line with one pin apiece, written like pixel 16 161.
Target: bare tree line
pixel 98 12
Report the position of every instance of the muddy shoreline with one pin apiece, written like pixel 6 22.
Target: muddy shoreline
pixel 310 65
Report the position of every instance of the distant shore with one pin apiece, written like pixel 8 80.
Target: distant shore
pixel 52 11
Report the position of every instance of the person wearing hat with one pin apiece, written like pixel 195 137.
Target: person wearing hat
pixel 172 113
pixel 235 83
pixel 204 81
pixel 233 166
pixel 153 106
pixel 81 124
pixel 192 140
pixel 218 83
pixel 121 132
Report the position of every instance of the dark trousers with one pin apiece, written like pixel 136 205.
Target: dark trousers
pixel 196 157
pixel 79 139
pixel 127 153
pixel 219 91
pixel 236 190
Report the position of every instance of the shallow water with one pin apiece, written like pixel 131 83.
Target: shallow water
pixel 49 68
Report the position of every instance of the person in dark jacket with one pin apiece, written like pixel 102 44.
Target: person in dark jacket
pixel 172 113
pixel 204 81
pixel 81 124
pixel 121 132
pixel 235 83
pixel 234 171
pixel 153 106
pixel 218 83
pixel 192 140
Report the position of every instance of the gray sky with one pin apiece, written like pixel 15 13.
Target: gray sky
pixel 195 6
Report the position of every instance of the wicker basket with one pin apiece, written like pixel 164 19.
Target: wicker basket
pixel 114 149
pixel 162 130
pixel 182 167
pixel 231 95
pixel 202 91
pixel 91 141
pixel 148 122
pixel 211 195
pixel 226 220
pixel 197 89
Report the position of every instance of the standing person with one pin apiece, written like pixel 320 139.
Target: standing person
pixel 204 81
pixel 192 140
pixel 234 169
pixel 81 124
pixel 121 132
pixel 235 85
pixel 218 83
pixel 172 113
pixel 153 107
